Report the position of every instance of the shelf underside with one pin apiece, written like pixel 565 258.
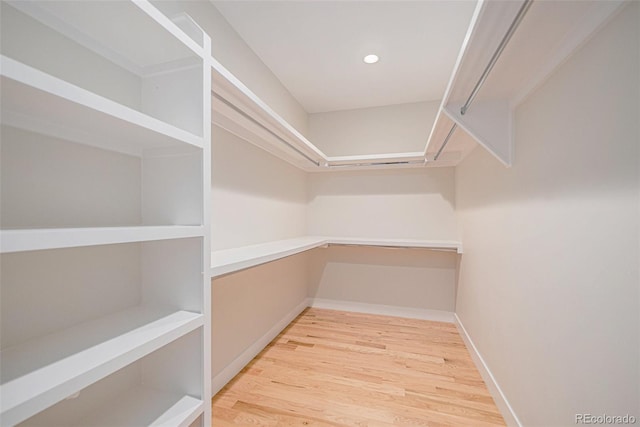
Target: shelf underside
pixel 236 259
pixel 97 25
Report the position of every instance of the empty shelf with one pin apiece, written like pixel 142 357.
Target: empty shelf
pixel 142 406
pixel 38 102
pixel 236 259
pixel 230 260
pixel 42 371
pixel 55 238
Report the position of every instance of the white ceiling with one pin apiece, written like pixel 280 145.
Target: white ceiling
pixel 315 47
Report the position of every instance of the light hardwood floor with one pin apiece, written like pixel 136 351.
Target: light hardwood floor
pixel 334 368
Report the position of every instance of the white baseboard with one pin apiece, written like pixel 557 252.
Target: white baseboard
pixel 500 399
pixel 385 310
pixel 233 368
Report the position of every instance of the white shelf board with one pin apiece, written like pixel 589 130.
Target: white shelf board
pixel 547 35
pixel 448 245
pixel 229 87
pixel 231 260
pixel 97 26
pixel 54 238
pixel 45 370
pixel 36 101
pixel 267 130
pixel 144 406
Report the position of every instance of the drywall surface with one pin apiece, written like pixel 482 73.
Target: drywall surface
pixel 401 203
pixel 413 278
pixel 549 281
pixel 68 184
pixel 235 55
pixel 255 197
pixel 32 43
pixel 404 203
pixel 389 129
pixel 247 304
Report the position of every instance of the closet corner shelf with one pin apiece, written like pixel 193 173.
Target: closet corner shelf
pixel 144 406
pixel 241 112
pixel 231 260
pixel 21 240
pixel 42 371
pixel 550 32
pixel 38 102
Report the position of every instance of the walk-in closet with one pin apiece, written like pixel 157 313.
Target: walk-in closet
pixel 330 213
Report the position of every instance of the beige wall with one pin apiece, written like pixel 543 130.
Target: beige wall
pixel 548 286
pixel 255 197
pixel 401 203
pixel 234 54
pixel 389 129
pixel 247 304
pixel 407 278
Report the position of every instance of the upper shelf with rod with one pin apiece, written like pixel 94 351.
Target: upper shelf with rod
pixel 510 48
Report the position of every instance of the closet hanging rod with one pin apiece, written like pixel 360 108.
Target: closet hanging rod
pixel 494 58
pixel 372 245
pixel 446 140
pixel 496 55
pixel 389 163
pixel 254 121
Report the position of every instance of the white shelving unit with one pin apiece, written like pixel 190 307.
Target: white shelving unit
pixel 231 260
pixel 104 216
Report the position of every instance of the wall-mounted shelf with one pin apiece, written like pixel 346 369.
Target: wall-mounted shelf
pixel 36 101
pixel 42 371
pixel 57 238
pixel 236 259
pixel 547 34
pixel 231 260
pixel 144 406
pixel 104 215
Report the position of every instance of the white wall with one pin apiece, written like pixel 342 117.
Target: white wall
pixel 68 184
pixel 234 54
pixel 408 278
pixel 548 286
pixel 378 130
pixel 255 197
pixel 401 203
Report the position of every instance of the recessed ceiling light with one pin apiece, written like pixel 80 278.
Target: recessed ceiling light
pixel 371 59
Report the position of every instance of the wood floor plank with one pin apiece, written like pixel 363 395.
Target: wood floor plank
pixel 335 368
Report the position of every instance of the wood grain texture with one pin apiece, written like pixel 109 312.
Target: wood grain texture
pixel 334 368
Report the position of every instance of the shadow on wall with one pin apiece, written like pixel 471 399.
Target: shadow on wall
pixel 575 145
pixel 415 278
pixel 240 167
pixel 426 181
